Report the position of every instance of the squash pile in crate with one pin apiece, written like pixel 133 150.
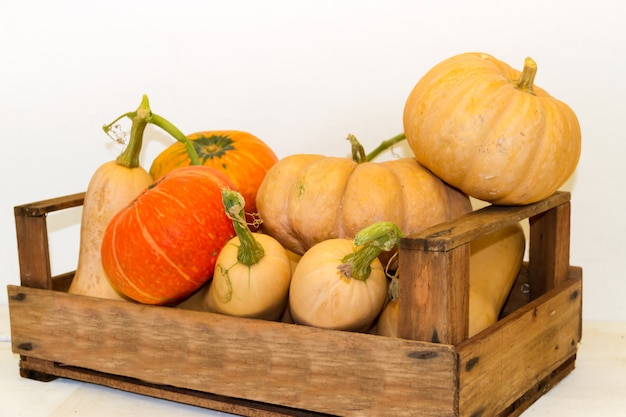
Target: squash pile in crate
pixel 206 280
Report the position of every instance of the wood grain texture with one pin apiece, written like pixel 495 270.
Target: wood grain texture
pixel 42 370
pixel 499 365
pixel 434 265
pixel 32 238
pixel 449 235
pixel 334 372
pixel 549 249
pixel 265 369
pixel 33 251
pixel 433 302
pixel 43 207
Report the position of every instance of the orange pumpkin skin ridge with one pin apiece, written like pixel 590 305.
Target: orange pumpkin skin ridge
pixel 164 245
pixel 306 198
pixel 467 122
pixel 243 157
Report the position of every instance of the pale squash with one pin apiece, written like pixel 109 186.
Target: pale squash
pixel 483 127
pixel 495 261
pixel 340 283
pixel 197 301
pixel 113 186
pixel 252 272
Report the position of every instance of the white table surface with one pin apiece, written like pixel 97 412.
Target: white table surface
pixel 597 387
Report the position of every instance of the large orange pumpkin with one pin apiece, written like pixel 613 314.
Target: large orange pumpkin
pixel 483 127
pixel 243 157
pixel 307 198
pixel 164 245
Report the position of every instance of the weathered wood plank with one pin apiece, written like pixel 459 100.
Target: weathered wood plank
pixel 33 251
pixel 32 238
pixel 43 207
pixel 549 249
pixel 433 302
pixel 434 265
pixel 332 372
pixel 265 369
pixel 499 365
pixel 449 235
pixel 42 370
pixel 541 387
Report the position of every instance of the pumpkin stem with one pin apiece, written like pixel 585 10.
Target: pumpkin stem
pixel 386 144
pixel 372 241
pixel 527 78
pixel 141 117
pixel 178 135
pixel 251 251
pixel 129 158
pixel 358 153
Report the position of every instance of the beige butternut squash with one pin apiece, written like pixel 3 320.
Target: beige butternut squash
pixel 113 186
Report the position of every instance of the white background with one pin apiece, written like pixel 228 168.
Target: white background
pixel 301 75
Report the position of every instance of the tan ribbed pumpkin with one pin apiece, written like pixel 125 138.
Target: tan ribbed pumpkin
pixel 306 198
pixel 483 127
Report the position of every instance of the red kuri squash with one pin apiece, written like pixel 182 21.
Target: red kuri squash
pixel 164 245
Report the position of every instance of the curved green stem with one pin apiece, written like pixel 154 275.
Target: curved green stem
pixel 130 156
pixel 250 251
pixel 371 241
pixel 358 153
pixel 386 144
pixel 527 78
pixel 142 116
pixel 178 135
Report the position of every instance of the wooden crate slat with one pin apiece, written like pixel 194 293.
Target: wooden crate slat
pixel 537 390
pixel 46 370
pixel 32 238
pixel 43 207
pixel 332 372
pixel 33 251
pixel 449 235
pixel 520 350
pixel 433 302
pixel 265 369
pixel 549 249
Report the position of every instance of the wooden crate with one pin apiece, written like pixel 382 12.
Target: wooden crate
pixel 261 368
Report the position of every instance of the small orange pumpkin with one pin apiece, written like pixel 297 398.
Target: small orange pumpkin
pixel 243 157
pixel 164 245
pixel 484 128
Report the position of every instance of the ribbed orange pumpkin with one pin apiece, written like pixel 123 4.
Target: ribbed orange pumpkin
pixel 164 245
pixel 484 128
pixel 306 199
pixel 243 157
